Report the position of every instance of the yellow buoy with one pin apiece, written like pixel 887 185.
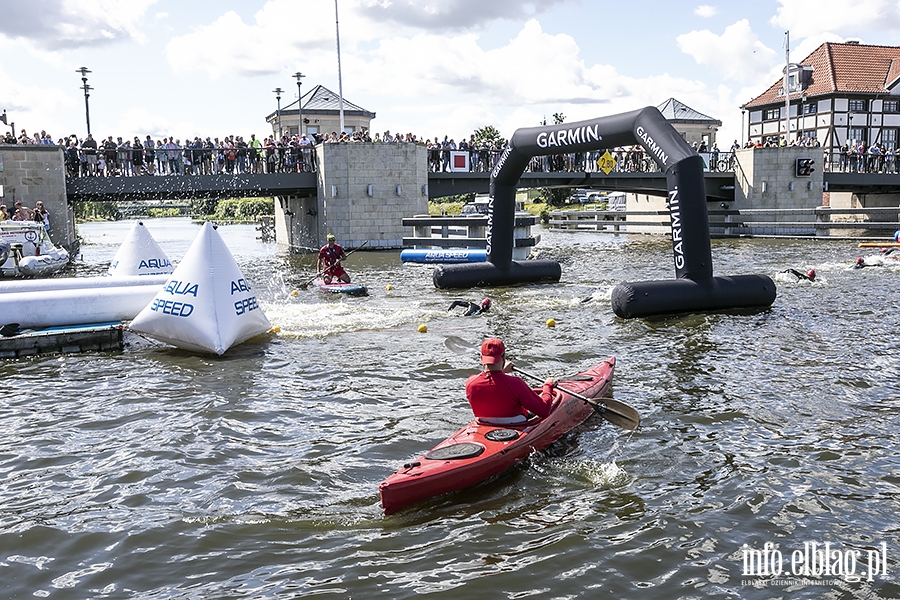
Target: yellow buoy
pixel 388 287
pixel 295 293
pixel 551 323
pixel 423 328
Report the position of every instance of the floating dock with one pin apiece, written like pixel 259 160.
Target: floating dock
pixel 94 337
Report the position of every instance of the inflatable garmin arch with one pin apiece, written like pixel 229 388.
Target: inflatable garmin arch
pixel 695 289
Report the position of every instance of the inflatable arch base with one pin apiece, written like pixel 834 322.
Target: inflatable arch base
pixel 488 274
pixel 653 298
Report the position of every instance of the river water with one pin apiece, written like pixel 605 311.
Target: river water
pixel 156 473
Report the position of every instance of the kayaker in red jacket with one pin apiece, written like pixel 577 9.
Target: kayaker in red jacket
pixel 499 398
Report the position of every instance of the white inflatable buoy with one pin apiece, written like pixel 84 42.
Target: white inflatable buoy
pixel 206 305
pixel 139 254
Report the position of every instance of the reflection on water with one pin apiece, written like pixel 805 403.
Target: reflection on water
pixel 157 473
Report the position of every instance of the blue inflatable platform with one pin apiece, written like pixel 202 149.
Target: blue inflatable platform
pixel 443 255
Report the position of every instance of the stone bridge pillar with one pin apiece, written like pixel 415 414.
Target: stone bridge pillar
pixel 297 223
pixel 364 192
pixel 29 173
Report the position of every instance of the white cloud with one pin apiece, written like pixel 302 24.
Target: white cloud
pixel 29 105
pixel 450 15
pixel 65 24
pixel 737 54
pixel 706 11
pixel 805 18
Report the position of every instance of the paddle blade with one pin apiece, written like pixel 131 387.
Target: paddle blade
pixel 460 346
pixel 618 413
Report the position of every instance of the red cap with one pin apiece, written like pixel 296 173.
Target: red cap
pixel 486 303
pixel 492 350
pixel 811 274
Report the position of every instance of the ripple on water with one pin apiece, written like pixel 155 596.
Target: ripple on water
pixel 158 474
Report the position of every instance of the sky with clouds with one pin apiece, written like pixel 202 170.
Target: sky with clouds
pixel 431 67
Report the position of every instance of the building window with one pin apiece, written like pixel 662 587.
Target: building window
pixel 811 108
pixel 889 138
pixel 857 135
pixel 891 106
pixel 772 114
pixel 859 106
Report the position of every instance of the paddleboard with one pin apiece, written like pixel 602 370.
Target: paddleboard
pixel 339 287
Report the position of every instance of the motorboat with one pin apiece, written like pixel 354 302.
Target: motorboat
pixel 26 250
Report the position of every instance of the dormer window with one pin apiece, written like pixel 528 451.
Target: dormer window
pixel 798 78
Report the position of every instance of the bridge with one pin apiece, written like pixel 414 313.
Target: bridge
pixel 186 187
pixel 719 185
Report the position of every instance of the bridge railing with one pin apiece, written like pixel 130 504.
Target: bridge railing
pixel 625 161
pixel 124 162
pixel 129 162
pixel 821 221
pixel 837 161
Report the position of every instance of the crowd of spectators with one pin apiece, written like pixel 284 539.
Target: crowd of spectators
pixel 852 157
pixel 169 156
pixel 231 154
pixel 857 157
pixel 295 153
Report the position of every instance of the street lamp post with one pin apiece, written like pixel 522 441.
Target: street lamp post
pixel 278 91
pixel 299 76
pixel 87 111
pixel 743 113
pixel 4 121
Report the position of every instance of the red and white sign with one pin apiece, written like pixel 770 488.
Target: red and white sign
pixel 459 161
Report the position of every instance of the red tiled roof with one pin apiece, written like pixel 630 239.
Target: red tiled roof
pixel 842 69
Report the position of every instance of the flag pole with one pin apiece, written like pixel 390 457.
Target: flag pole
pixel 787 89
pixel 337 36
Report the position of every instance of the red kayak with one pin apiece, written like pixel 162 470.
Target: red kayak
pixel 480 450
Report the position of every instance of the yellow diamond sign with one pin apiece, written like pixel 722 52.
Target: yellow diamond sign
pixel 606 162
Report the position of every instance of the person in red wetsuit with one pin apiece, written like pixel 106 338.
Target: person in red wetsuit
pixel 499 398
pixel 329 263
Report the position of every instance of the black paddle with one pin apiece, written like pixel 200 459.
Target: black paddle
pixel 617 413
pixel 346 256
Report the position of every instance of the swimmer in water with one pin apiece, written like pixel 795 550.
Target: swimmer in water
pixel 471 307
pixel 809 275
pixel 861 262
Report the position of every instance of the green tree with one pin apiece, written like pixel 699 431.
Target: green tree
pixel 555 197
pixel 243 209
pixel 204 206
pixel 107 211
pixel 489 135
